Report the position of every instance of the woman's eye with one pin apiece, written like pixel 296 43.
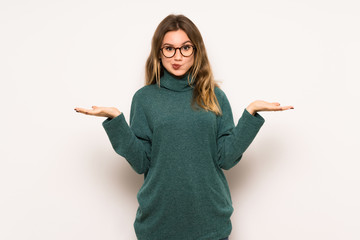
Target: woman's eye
pixel 186 47
pixel 168 48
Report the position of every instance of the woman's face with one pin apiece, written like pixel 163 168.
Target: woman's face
pixel 177 39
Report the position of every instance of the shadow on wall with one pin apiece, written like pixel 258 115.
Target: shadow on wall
pixel 116 173
pixel 246 172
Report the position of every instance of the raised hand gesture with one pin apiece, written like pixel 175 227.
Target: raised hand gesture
pixel 259 105
pixel 110 112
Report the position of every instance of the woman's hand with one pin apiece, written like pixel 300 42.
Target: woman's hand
pixel 260 105
pixel 110 112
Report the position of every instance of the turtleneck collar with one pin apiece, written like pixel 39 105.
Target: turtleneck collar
pixel 175 83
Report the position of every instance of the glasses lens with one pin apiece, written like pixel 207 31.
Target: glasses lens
pixel 187 50
pixel 168 51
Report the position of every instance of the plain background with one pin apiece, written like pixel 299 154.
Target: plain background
pixel 61 179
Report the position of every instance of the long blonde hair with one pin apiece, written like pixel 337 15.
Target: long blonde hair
pixel 204 87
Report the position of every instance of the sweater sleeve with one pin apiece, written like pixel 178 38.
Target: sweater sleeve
pixel 131 142
pixel 232 141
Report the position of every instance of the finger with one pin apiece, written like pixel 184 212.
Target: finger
pixel 287 107
pixel 82 110
pixel 79 109
pixel 277 108
pixel 276 103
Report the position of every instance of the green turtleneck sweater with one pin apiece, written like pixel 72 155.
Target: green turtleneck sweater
pixel 182 153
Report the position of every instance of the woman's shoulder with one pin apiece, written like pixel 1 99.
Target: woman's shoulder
pixel 145 92
pixel 219 93
pixel 147 89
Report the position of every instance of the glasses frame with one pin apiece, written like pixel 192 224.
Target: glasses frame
pixel 194 49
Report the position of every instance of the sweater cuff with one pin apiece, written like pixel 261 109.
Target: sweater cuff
pixel 117 125
pixel 256 120
pixel 108 122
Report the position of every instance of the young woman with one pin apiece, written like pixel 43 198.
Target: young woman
pixel 181 137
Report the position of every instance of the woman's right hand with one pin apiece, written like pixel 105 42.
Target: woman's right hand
pixel 110 112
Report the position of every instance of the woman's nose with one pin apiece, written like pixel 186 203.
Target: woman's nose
pixel 177 54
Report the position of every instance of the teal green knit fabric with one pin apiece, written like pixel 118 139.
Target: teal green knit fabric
pixel 182 153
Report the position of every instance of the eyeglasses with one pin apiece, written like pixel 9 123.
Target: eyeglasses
pixel 186 51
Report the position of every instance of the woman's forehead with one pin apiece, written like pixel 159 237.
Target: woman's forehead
pixel 178 37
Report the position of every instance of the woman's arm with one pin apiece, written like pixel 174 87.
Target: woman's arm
pixel 131 142
pixel 234 140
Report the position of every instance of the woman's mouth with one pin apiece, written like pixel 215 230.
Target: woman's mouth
pixel 176 66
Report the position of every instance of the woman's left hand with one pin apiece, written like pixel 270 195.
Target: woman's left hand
pixel 259 105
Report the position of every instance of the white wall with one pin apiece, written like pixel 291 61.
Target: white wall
pixel 59 176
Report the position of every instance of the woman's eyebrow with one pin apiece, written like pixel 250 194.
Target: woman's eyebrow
pixel 173 45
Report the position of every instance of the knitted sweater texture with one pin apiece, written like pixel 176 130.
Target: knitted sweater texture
pixel 182 153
